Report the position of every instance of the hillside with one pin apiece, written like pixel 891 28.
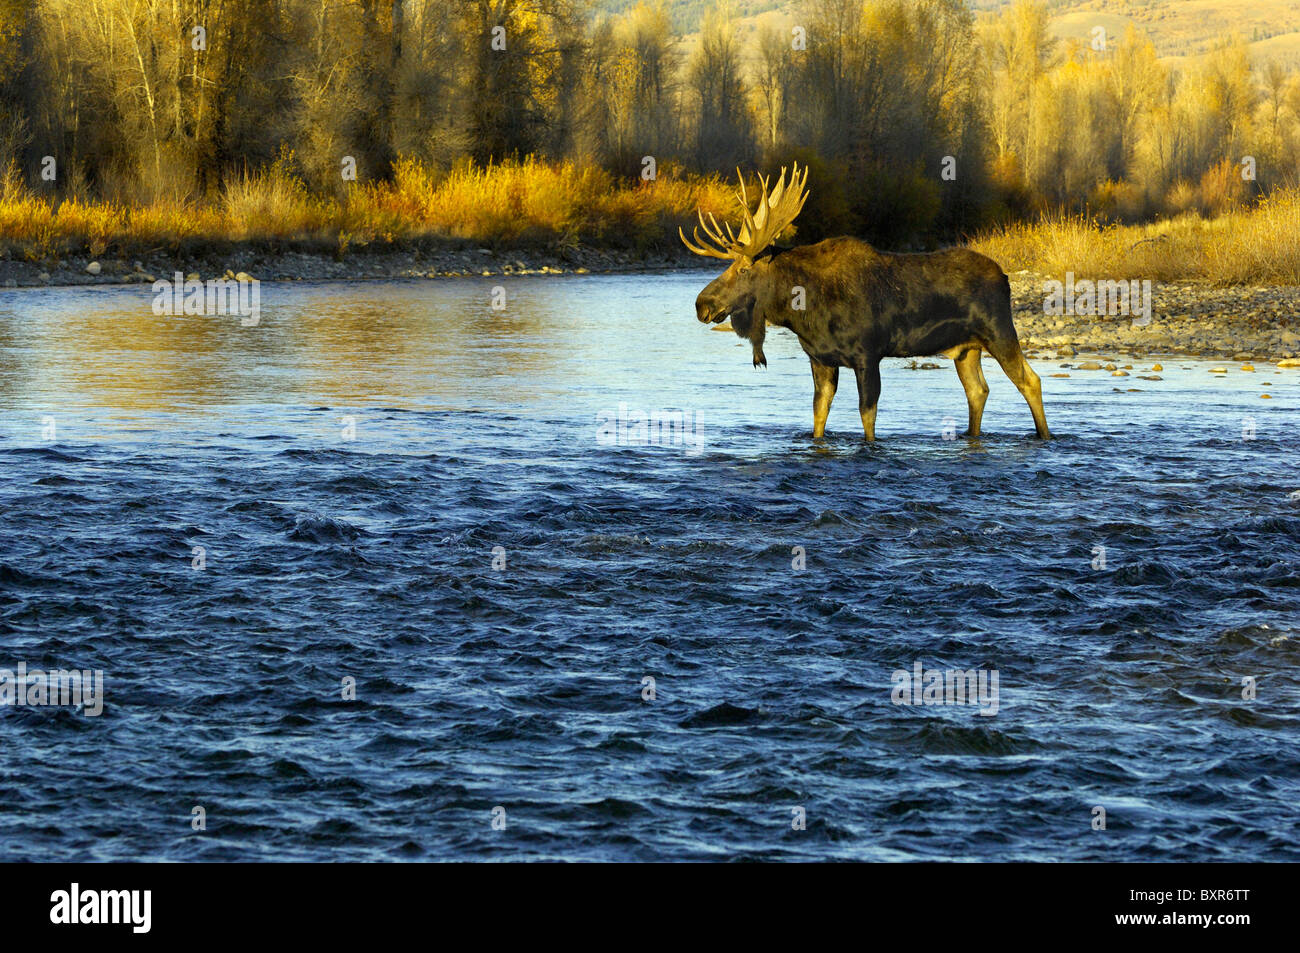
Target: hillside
pixel 1179 28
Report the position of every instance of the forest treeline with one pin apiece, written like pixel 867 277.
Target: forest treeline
pixel 917 119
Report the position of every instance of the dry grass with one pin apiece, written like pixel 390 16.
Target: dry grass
pixel 519 203
pixel 1256 245
pixel 552 204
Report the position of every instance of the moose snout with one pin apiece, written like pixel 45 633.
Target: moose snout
pixel 707 311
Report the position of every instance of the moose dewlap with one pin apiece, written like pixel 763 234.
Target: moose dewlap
pixel 852 306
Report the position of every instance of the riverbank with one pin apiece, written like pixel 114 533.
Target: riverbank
pixel 306 262
pixel 1248 322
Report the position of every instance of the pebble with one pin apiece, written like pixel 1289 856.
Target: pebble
pixel 93 268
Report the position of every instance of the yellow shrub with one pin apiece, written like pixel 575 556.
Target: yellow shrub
pixel 1258 244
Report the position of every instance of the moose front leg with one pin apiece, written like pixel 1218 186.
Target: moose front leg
pixel 868 395
pixel 825 381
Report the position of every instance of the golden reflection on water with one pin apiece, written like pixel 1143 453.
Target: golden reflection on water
pixel 428 344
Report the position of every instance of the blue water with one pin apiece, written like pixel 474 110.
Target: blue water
pixel 354 464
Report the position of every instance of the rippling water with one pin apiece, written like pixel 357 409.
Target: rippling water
pixel 395 483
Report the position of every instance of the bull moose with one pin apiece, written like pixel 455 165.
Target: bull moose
pixel 851 306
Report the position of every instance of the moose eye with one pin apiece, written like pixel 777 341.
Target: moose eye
pixel 744 269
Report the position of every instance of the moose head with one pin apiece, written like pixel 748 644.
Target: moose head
pixel 747 282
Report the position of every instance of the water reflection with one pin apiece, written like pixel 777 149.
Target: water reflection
pixel 399 344
pixel 571 348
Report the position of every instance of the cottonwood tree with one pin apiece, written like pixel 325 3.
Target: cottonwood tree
pixel 723 131
pixel 522 75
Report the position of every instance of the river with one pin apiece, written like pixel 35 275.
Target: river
pixel 391 575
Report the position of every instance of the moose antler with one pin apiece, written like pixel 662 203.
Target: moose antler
pixel 776 209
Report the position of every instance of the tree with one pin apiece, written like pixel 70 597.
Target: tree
pixel 723 131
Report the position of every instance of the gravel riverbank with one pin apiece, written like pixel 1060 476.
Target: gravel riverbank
pixel 356 265
pixel 1239 323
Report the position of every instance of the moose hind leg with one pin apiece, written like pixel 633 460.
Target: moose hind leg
pixel 977 388
pixel 1022 375
pixel 825 381
pixel 868 397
